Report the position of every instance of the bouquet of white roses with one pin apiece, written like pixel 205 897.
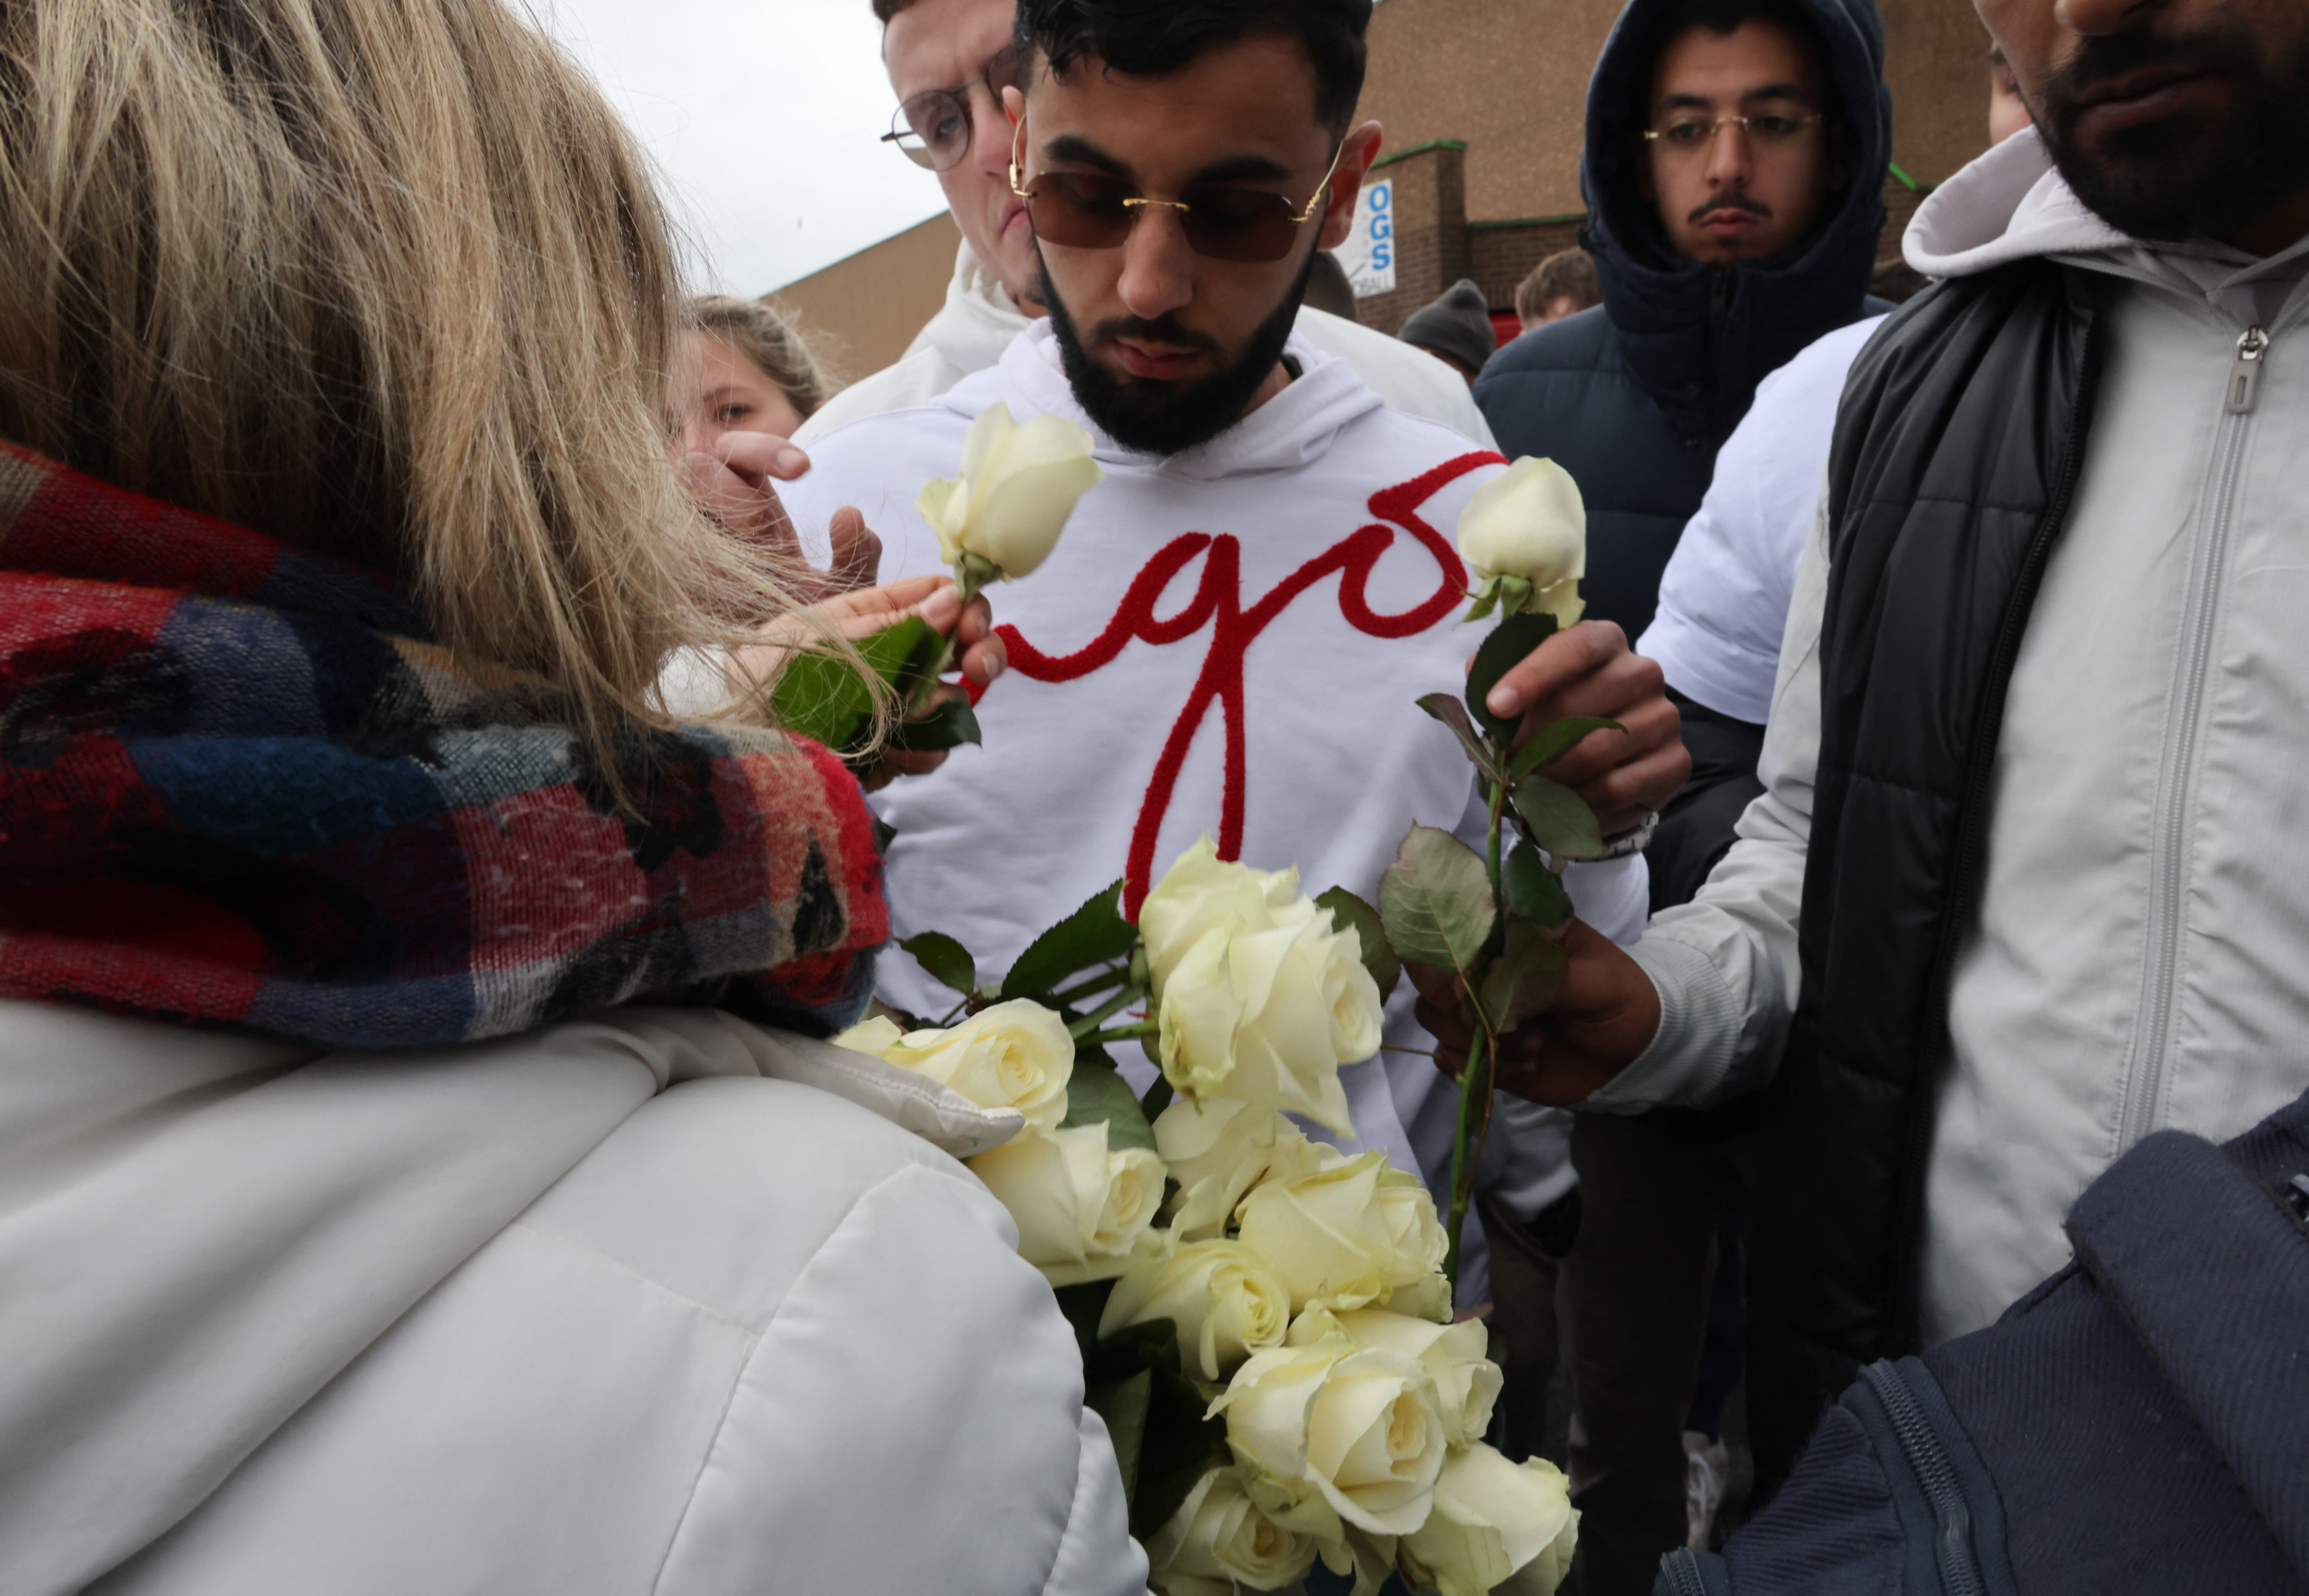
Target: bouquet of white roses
pixel 1265 1323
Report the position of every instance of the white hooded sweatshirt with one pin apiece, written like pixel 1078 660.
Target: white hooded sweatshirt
pixel 1284 689
pixel 980 319
pixel 2140 953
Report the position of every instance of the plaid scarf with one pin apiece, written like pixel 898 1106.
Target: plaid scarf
pixel 239 787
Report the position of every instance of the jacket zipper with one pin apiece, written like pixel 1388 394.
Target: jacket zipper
pixel 1902 1330
pixel 2144 1070
pixel 1682 1567
pixel 1928 1461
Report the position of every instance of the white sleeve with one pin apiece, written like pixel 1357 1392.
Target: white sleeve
pixel 1725 963
pixel 1724 599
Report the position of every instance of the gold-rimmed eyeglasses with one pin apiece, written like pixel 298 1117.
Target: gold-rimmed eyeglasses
pixel 1222 222
pixel 1680 137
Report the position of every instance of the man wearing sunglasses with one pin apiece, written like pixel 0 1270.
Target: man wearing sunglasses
pixel 1233 633
pixel 949 62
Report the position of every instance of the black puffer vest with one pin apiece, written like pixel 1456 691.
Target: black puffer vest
pixel 1957 447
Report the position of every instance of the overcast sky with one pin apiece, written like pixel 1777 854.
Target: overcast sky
pixel 762 116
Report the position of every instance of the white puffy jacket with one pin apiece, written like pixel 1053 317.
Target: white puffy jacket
pixel 515 1317
pixel 2140 955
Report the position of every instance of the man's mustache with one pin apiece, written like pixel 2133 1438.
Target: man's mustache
pixel 2104 58
pixel 1164 329
pixel 1730 202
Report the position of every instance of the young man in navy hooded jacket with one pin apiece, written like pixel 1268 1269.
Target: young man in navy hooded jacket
pixel 1736 153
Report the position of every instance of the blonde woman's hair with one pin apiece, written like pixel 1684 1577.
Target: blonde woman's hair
pixel 776 344
pixel 384 279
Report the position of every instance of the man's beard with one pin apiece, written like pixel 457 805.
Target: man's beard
pixel 1153 416
pixel 2193 174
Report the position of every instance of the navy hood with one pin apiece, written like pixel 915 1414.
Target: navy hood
pixel 1699 338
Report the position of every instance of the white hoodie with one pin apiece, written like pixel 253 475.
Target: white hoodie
pixel 1327 757
pixel 2140 953
pixel 980 319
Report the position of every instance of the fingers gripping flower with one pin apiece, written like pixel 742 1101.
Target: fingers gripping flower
pixel 1002 516
pixel 1222 1299
pixel 1331 1434
pixel 1497 1526
pixel 1080 1207
pixel 1015 1054
pixel 1220 1537
pixel 1525 534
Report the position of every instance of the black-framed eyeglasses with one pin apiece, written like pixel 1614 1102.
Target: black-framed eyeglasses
pixel 934 127
pixel 1222 222
pixel 1683 135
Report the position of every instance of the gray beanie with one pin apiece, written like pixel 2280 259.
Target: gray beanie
pixel 1458 325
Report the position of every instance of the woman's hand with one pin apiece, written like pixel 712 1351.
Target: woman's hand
pixel 730 479
pixel 864 611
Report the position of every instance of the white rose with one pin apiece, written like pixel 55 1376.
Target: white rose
pixel 1467 1381
pixel 1080 1208
pixel 1017 487
pixel 1332 1435
pixel 1220 1537
pixel 1331 1231
pixel 1224 1301
pixel 1216 1149
pixel 1497 1525
pixel 1201 891
pixel 1014 1054
pixel 1415 1276
pixel 1269 1012
pixel 1527 525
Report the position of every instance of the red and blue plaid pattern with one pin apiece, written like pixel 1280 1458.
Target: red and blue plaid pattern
pixel 239 786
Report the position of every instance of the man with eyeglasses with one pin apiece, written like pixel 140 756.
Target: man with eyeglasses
pixel 1734 156
pixel 949 62
pixel 2024 886
pixel 1232 636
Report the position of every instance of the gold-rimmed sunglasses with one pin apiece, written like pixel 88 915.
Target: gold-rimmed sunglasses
pixel 1094 210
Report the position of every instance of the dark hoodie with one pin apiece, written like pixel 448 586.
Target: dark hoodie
pixel 1634 397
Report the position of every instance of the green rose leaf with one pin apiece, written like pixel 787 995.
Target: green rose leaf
pixel 1180 1444
pixel 905 653
pixel 1558 819
pixel 1095 934
pixel 825 699
pixel 1435 900
pixel 1351 914
pixel 1507 644
pixel 949 962
pixel 1533 890
pixel 949 726
pixel 1454 714
pixel 1123 1404
pixel 1552 741
pixel 1159 1095
pixel 1525 977
pixel 1083 1306
pixel 1097 1091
